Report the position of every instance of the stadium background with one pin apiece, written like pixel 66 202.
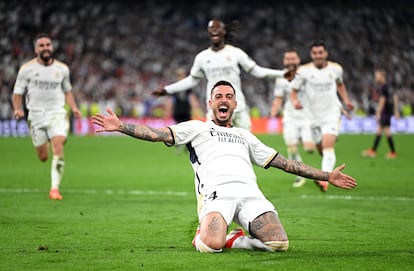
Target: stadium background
pixel 118 52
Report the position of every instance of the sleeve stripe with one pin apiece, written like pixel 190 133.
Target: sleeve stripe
pixel 173 136
pixel 266 165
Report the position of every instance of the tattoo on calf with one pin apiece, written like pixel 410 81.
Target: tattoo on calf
pixel 214 225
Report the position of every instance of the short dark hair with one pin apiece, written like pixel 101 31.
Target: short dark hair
pixel 291 50
pixel 40 36
pixel 222 83
pixel 317 43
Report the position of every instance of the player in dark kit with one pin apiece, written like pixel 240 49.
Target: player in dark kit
pixel 387 107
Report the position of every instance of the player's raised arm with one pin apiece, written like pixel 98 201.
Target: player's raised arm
pixel 111 123
pixel 336 177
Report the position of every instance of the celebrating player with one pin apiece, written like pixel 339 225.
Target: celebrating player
pixel 225 182
pixel 296 123
pixel 321 80
pixel 46 83
pixel 222 61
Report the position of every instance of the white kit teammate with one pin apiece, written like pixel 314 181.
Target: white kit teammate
pixel 45 82
pixel 321 80
pixel 296 123
pixel 222 61
pixel 222 156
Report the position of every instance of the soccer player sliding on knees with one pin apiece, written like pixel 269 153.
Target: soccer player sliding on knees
pixel 222 157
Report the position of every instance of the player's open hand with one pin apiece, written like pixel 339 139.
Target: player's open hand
pixel 297 105
pixel 341 180
pixel 159 92
pixel 76 113
pixel 108 123
pixel 349 106
pixel 18 114
pixel 289 75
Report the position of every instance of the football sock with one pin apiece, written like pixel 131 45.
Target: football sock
pixel 57 171
pixel 277 245
pixel 293 154
pixel 248 242
pixel 201 247
pixel 376 142
pixel 328 159
pixel 391 144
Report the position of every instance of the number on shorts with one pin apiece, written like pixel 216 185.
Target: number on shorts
pixel 213 195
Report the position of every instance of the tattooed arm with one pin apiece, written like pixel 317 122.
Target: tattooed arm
pixel 111 123
pixel 336 177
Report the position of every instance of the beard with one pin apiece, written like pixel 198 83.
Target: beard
pixel 46 55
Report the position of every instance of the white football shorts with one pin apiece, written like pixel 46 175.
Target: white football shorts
pixel 235 202
pixel 44 125
pixel 295 131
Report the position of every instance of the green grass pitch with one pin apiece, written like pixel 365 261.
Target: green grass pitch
pixel 130 205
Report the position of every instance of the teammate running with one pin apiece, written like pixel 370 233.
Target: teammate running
pixel 45 82
pixel 222 61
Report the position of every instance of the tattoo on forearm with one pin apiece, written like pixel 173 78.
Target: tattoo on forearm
pixel 145 132
pixel 128 129
pixel 299 168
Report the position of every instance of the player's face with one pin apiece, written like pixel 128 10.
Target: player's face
pixel 319 56
pixel 44 49
pixel 291 61
pixel 216 31
pixel 222 103
pixel 379 77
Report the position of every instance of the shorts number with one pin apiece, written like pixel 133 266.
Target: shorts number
pixel 213 196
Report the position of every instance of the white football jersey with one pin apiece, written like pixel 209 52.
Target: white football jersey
pixel 282 89
pixel 45 85
pixel 221 155
pixel 223 65
pixel 320 87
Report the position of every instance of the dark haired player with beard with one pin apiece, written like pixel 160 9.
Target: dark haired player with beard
pixel 222 61
pixel 296 123
pixel 322 80
pixel 222 157
pixel 46 83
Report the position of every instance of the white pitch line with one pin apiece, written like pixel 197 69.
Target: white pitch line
pixel 93 191
pixel 362 198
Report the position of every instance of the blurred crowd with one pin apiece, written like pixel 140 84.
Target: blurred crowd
pixel 119 51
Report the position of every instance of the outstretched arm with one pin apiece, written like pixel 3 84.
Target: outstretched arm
pixel 336 177
pixel 111 123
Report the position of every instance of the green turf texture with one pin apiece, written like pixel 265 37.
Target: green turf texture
pixel 130 205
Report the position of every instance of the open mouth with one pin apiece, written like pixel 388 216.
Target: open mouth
pixel 214 36
pixel 223 111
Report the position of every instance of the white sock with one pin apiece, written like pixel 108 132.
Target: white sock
pixel 56 171
pixel 328 159
pixel 248 242
pixel 201 247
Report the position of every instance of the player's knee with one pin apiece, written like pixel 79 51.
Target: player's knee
pixel 42 156
pixel 309 147
pixel 211 246
pixel 277 245
pixel 292 149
